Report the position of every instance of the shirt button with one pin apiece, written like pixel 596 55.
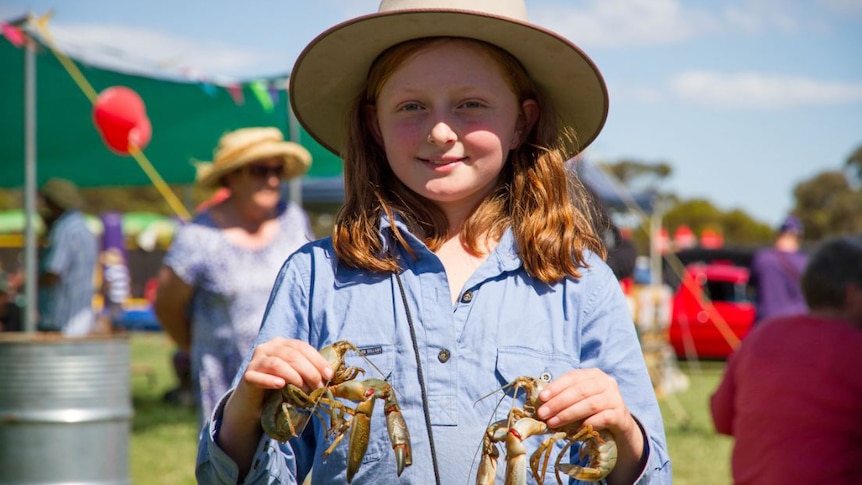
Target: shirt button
pixel 443 356
pixel 467 297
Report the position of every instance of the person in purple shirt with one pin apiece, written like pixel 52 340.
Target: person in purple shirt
pixel 775 273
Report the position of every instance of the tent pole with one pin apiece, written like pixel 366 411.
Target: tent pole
pixel 656 276
pixel 30 281
pixel 295 183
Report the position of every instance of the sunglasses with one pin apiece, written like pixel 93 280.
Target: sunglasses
pixel 265 171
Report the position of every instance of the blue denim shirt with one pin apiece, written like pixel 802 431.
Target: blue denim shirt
pixel 506 324
pixel 72 254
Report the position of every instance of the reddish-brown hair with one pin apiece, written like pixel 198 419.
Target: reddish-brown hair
pixel 548 209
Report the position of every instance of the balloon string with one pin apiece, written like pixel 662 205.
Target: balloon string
pixel 178 207
pixel 85 87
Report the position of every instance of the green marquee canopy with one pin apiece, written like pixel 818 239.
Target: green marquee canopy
pixel 187 119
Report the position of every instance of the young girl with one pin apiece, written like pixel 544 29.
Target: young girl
pixel 462 258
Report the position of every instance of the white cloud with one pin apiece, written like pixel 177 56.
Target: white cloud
pixel 761 91
pixel 638 94
pixel 639 23
pixel 759 16
pixel 152 52
pixel 619 23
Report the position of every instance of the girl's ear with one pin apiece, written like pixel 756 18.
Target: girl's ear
pixel 370 113
pixel 526 121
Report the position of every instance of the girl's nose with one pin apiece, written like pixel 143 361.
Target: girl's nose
pixel 441 134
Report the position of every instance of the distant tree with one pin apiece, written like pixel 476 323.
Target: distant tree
pixel 735 226
pixel 828 206
pixel 743 229
pixel 695 213
pixel 854 164
pixel 638 175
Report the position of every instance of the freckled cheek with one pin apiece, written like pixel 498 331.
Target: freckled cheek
pixel 485 139
pixel 404 135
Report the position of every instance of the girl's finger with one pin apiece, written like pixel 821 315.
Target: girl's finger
pixel 568 407
pixel 296 362
pixel 264 380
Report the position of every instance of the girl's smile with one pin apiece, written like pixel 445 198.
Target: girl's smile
pixel 447 118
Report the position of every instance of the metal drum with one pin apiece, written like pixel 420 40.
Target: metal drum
pixel 65 409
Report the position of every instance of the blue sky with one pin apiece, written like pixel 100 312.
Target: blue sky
pixel 743 98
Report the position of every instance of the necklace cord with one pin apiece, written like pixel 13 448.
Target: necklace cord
pixel 421 377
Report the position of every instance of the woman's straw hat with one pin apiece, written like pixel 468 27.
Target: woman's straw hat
pixel 239 148
pixel 331 70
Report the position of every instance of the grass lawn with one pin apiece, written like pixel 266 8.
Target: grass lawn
pixel 164 438
pixel 699 455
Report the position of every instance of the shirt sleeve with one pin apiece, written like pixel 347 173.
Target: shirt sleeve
pixel 721 401
pixel 273 462
pixel 610 342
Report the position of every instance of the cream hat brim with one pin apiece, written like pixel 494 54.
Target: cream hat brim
pixel 297 161
pixel 331 71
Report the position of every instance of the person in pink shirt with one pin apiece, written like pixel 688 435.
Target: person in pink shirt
pixel 791 395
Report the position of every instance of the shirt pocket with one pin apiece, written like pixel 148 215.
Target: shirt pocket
pixel 514 362
pixel 378 361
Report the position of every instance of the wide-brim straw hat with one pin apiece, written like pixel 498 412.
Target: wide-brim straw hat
pixel 331 71
pixel 241 147
pixel 62 193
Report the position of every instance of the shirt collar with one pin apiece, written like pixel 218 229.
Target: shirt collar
pixel 504 257
pixel 506 252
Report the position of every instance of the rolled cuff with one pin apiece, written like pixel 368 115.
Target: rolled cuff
pixel 655 467
pixel 215 466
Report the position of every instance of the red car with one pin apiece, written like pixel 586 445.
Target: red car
pixel 711 311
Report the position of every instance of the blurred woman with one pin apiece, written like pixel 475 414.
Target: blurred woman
pixel 218 273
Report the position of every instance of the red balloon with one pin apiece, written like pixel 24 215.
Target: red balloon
pixel 121 118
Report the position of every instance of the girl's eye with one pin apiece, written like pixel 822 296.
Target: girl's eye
pixel 410 107
pixel 472 104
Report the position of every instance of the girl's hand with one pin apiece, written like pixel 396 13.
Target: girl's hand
pixel 591 396
pixel 587 395
pixel 279 362
pixel 273 365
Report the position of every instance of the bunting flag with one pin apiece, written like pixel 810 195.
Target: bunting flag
pixel 260 91
pixel 13 34
pixel 208 88
pixel 43 19
pixel 235 90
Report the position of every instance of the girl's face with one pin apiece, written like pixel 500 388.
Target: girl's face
pixel 447 118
